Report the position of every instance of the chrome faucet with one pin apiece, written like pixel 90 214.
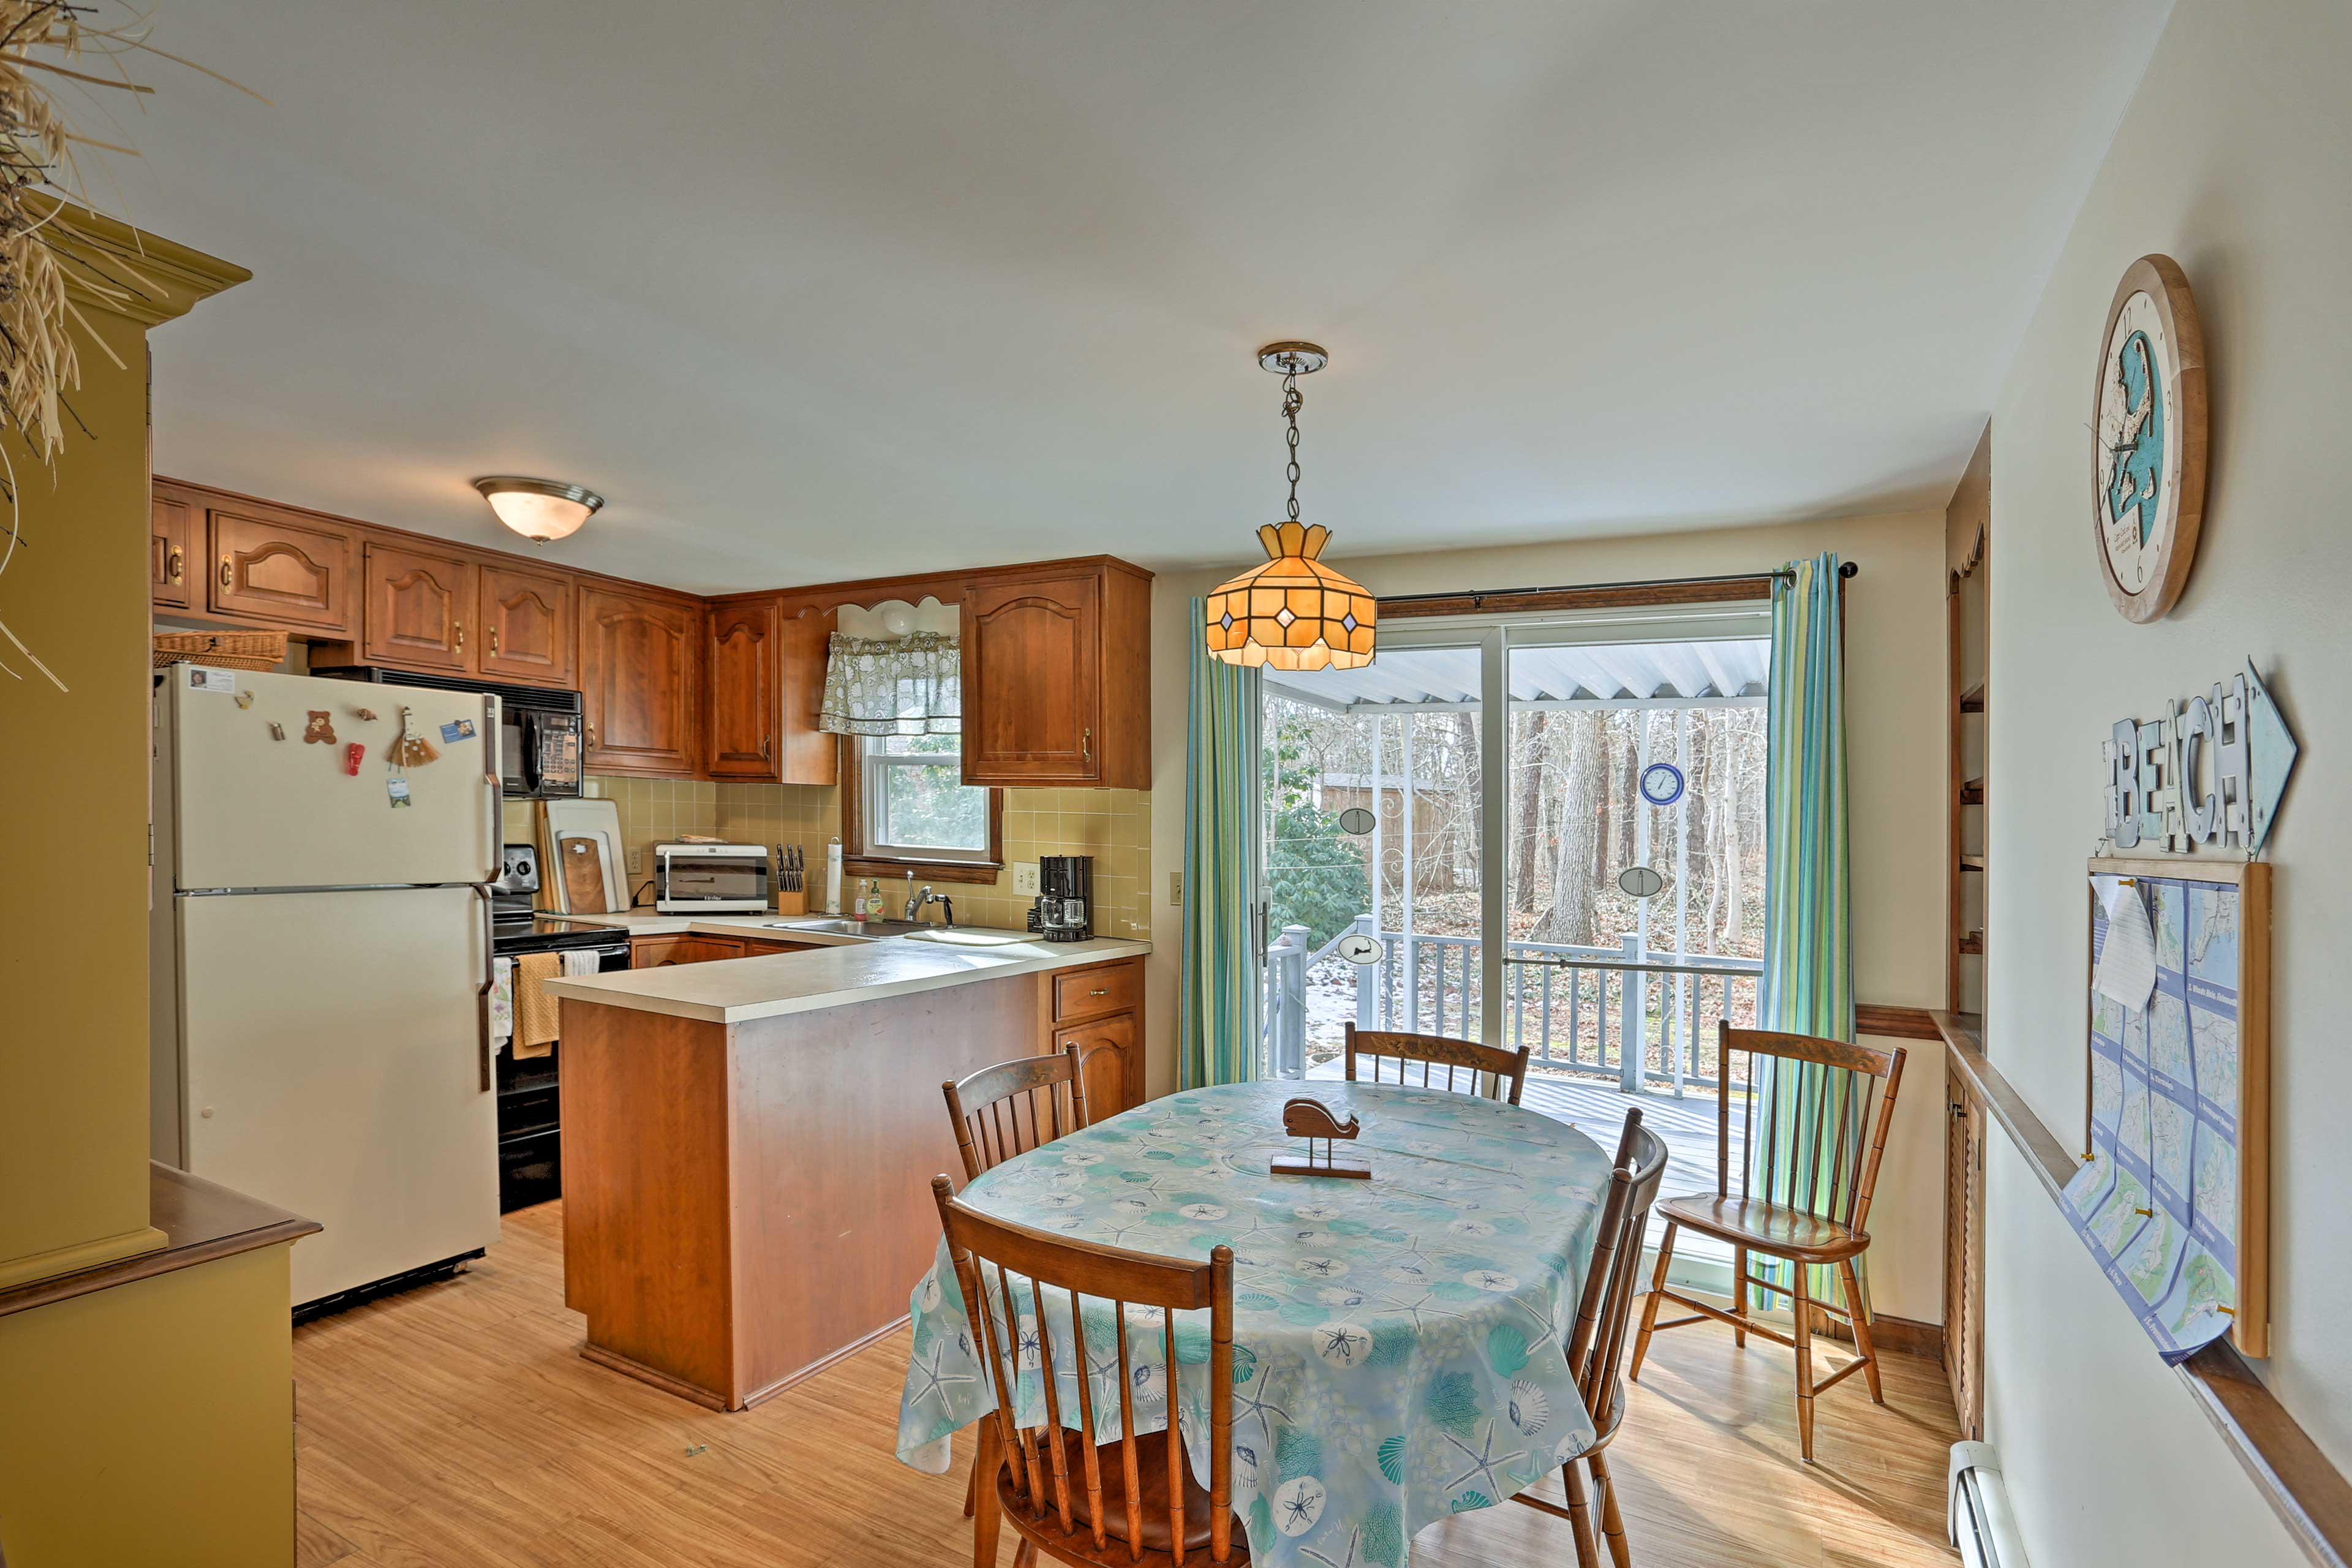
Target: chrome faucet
pixel 914 901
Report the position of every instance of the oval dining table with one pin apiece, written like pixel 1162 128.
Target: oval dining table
pixel 1399 1343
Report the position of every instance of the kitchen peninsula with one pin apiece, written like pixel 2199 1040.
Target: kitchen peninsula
pixel 747 1143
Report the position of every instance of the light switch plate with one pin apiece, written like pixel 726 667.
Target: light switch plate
pixel 1025 879
pixel 1175 887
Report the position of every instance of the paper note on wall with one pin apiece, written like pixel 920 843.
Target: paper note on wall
pixel 2126 970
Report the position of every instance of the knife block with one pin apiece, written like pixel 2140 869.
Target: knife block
pixel 794 903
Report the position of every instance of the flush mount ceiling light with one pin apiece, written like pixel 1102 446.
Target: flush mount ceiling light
pixel 538 510
pixel 1293 612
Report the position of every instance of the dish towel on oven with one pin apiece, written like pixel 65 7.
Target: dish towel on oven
pixel 501 1002
pixel 536 1011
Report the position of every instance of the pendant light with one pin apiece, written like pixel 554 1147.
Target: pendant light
pixel 1293 612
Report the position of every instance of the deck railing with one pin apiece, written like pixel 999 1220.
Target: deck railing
pixel 1631 1013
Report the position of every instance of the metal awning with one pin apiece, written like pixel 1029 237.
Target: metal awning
pixel 1589 674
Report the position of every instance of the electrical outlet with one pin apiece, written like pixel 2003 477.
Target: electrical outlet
pixel 1025 879
pixel 1175 887
pixel 636 859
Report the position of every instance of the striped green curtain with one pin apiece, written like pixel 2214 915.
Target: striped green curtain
pixel 1222 992
pixel 1808 982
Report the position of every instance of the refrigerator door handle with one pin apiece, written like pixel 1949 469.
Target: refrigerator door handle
pixel 490 984
pixel 495 764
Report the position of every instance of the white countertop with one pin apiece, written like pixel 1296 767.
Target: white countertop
pixel 845 970
pixel 767 926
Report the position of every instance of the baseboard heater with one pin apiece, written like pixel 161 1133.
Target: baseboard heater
pixel 1982 1525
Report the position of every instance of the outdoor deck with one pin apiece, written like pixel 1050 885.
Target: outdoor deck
pixel 1597 1108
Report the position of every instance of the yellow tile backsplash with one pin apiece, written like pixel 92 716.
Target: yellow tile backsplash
pixel 1114 825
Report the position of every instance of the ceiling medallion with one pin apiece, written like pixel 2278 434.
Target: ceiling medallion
pixel 1292 611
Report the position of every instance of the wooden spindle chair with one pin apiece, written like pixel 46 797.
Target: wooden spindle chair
pixel 1596 1348
pixel 1432 1051
pixel 1132 1500
pixel 986 1107
pixel 1799 1216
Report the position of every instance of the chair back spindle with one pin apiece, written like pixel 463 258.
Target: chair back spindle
pixel 986 1107
pixel 1062 1500
pixel 1479 1065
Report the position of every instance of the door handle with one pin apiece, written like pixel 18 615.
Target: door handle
pixel 1087 744
pixel 490 984
pixel 461 634
pixel 592 734
pixel 179 565
pixel 225 571
pixel 494 642
pixel 765 741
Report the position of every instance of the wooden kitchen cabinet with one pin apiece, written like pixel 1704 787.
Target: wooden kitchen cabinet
pixel 526 626
pixel 415 609
pixel 1099 1010
pixel 682 947
pixel 272 569
pixel 1057 676
pixel 765 677
pixel 641 683
pixel 172 522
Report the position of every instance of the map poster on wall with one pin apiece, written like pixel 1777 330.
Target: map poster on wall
pixel 2173 1196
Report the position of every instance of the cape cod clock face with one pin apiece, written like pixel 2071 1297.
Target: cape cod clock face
pixel 2148 463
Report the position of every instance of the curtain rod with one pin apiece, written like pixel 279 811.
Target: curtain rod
pixel 1478 596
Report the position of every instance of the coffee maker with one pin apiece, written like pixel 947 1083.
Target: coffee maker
pixel 1064 908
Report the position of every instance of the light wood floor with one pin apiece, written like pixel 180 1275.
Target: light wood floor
pixel 456 1424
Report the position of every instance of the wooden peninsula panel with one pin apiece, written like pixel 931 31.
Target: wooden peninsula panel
pixel 745 1203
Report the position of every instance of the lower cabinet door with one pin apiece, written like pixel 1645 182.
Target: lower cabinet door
pixel 1108 1061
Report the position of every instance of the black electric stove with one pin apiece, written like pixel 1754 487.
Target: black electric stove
pixel 530 1138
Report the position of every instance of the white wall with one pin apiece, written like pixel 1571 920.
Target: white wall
pixel 2235 159
pixel 1895 738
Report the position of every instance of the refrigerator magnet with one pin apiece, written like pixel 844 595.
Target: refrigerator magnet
pixel 276 731
pixel 351 755
pixel 321 730
pixel 245 700
pixel 364 715
pixel 457 730
pixel 412 750
pixel 398 790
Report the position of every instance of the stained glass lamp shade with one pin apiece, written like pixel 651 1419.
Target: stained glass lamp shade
pixel 1293 612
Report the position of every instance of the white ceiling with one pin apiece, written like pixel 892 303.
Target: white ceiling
pixel 821 290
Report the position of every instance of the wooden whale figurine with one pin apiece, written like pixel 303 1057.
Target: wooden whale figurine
pixel 1310 1120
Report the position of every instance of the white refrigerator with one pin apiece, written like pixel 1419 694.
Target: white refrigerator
pixel 321 961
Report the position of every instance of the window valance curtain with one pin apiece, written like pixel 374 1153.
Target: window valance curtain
pixel 893 686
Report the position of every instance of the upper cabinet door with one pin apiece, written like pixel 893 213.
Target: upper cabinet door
pixel 745 705
pixel 526 626
pixel 273 571
pixel 170 519
pixel 417 607
pixel 1032 680
pixel 641 683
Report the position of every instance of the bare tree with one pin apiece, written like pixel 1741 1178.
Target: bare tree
pixel 1583 810
pixel 1528 783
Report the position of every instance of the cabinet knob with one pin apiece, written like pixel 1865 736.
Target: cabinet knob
pixel 226 578
pixel 179 570
pixel 494 642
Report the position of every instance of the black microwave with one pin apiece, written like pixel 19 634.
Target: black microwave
pixel 540 734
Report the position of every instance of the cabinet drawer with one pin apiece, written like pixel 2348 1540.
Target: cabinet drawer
pixel 1090 993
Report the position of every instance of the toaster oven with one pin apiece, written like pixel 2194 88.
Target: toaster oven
pixel 710 878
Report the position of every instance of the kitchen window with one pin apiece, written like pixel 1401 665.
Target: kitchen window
pixel 917 805
pixel 906 807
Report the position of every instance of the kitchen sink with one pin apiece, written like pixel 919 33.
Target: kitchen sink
pixel 951 937
pixel 830 926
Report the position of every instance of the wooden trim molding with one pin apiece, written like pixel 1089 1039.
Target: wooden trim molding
pixel 2310 1496
pixel 200 1221
pixel 1902 1022
pixel 1599 596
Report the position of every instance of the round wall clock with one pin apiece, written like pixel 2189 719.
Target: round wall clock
pixel 1662 783
pixel 2147 471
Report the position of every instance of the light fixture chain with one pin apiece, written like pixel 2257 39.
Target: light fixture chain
pixel 1290 403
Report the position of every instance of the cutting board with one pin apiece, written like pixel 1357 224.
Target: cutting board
pixel 583 863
